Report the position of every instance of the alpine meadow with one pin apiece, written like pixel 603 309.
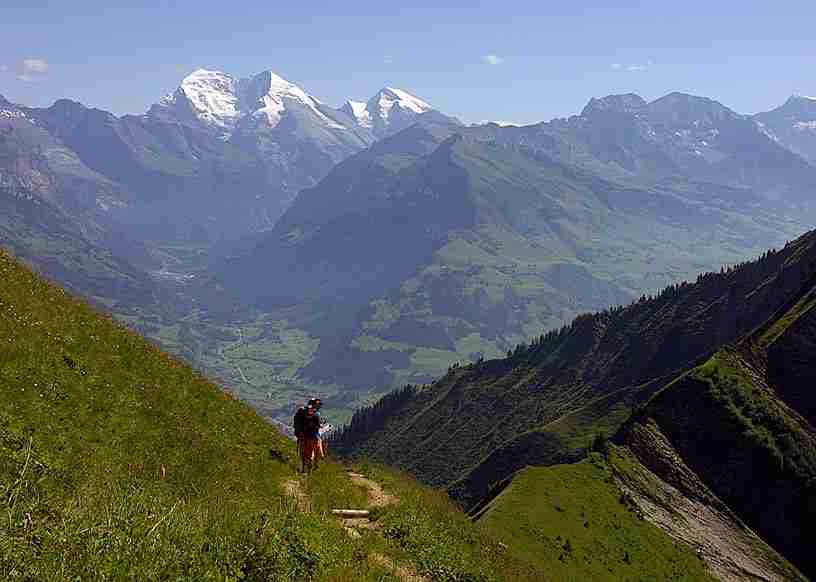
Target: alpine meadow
pixel 407 293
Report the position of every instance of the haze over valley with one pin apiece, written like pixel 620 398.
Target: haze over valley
pixel 284 246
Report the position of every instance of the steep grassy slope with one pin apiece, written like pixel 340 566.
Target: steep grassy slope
pixel 573 520
pixel 117 462
pixel 455 429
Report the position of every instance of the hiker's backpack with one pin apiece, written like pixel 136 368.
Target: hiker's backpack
pixel 299 420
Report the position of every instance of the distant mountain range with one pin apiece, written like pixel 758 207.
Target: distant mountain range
pixel 387 235
pixel 443 243
pixel 55 213
pixel 220 156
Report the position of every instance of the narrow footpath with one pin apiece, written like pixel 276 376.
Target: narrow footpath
pixel 354 524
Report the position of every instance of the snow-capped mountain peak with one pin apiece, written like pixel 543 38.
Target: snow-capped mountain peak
pixel 218 101
pixel 265 95
pixel 357 110
pixel 389 97
pixel 234 108
pixel 213 95
pixel 271 85
pixel 204 96
pixel 9 110
pixel 389 111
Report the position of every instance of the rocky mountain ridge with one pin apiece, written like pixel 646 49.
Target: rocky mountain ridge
pixel 793 124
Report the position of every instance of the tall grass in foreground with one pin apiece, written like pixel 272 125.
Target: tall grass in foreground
pixel 128 530
pixel 119 463
pixel 430 531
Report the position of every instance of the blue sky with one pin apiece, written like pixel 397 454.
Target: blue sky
pixel 508 61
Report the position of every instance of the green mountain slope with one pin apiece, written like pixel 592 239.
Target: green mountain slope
pixel 117 462
pixel 102 438
pixel 571 520
pixel 723 432
pixel 616 358
pixel 607 517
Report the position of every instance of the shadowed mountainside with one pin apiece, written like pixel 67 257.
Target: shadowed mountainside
pixel 55 213
pixel 743 421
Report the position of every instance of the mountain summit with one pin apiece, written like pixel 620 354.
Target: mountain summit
pixel 628 103
pixel 218 101
pixel 389 111
pixel 793 124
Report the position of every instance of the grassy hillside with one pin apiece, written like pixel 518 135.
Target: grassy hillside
pixel 560 441
pixel 575 523
pixel 119 463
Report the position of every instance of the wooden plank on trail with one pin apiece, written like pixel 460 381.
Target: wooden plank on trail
pixel 350 512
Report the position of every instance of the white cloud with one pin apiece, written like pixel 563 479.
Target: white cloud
pixel 388 59
pixel 631 68
pixel 500 122
pixel 492 59
pixel 34 66
pixel 31 69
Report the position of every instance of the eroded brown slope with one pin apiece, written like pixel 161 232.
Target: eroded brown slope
pixel 743 422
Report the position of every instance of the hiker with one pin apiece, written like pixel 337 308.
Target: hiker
pixel 322 444
pixel 297 424
pixel 309 440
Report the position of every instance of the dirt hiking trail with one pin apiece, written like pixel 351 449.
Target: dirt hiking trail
pixel 352 525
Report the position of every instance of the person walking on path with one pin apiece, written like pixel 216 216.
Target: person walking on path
pixel 297 424
pixel 317 403
pixel 309 441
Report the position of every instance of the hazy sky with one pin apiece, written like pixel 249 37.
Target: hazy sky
pixel 506 61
